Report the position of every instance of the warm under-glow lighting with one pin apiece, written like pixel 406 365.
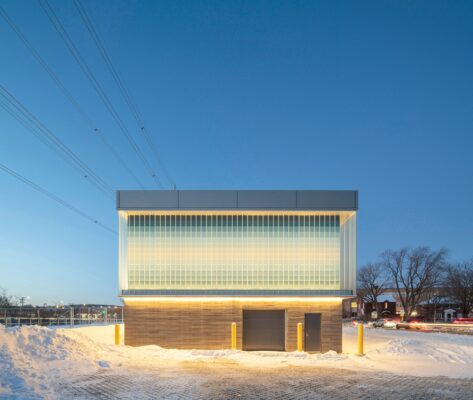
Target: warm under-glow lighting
pixel 242 299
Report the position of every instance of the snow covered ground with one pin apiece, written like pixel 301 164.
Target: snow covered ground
pixel 33 359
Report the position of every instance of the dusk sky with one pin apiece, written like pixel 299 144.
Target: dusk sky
pixel 373 96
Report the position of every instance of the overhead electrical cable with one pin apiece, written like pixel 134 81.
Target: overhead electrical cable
pixel 121 85
pixel 51 141
pixel 23 121
pixel 54 197
pixel 66 93
pixel 12 105
pixel 53 18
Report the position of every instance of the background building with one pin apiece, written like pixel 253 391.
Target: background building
pixel 436 307
pixel 193 262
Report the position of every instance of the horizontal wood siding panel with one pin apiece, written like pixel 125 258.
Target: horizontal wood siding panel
pixel 207 325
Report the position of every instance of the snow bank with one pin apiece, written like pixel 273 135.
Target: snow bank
pixel 35 359
pixel 32 358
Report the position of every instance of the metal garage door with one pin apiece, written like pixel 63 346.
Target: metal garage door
pixel 263 330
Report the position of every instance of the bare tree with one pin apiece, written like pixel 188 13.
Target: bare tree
pixel 459 285
pixel 414 273
pixel 372 282
pixel 5 300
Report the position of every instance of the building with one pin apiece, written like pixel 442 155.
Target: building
pixel 191 263
pixel 384 308
pixel 441 308
pixel 350 308
pixel 388 306
pixel 435 306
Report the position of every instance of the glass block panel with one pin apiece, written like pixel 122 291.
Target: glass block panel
pixel 239 252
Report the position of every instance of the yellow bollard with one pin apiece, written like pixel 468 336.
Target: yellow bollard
pixel 360 339
pixel 117 334
pixel 234 336
pixel 299 336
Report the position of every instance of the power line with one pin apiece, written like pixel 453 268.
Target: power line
pixel 23 121
pixel 13 106
pixel 123 89
pixel 66 92
pixel 53 18
pixel 54 197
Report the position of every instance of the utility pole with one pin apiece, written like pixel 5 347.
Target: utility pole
pixel 22 301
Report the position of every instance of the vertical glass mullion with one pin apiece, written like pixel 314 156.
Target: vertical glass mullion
pixel 181 239
pixel 332 225
pixel 247 269
pixel 290 231
pixel 283 253
pixel 322 247
pixel 212 247
pixel 311 254
pixel 316 249
pixel 171 251
pixel 131 251
pixel 232 243
pixel 325 249
pixel 168 250
pixel 304 251
pixel 272 270
pixel 157 250
pixel 147 251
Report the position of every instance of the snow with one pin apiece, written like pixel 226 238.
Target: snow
pixel 32 358
pixel 414 353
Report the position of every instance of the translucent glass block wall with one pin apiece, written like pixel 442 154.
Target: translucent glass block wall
pixel 271 252
pixel 348 254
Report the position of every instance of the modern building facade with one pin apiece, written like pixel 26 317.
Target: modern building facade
pixel 191 263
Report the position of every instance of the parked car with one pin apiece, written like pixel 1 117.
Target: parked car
pixel 379 323
pixel 384 323
pixel 390 324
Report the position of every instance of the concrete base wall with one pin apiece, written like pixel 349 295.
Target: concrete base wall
pixel 196 324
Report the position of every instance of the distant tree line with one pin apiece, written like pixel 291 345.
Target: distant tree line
pixel 5 300
pixel 419 275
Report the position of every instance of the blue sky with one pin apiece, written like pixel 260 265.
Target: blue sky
pixel 374 96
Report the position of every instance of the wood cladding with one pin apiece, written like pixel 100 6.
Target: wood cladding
pixel 207 324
